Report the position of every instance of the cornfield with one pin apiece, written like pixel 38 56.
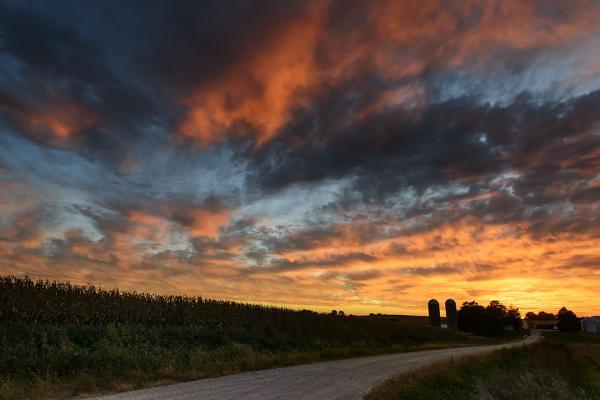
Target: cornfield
pixel 27 302
pixel 59 340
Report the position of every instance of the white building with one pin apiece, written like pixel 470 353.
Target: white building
pixel 591 324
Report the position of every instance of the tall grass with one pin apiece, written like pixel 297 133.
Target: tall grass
pixel 552 369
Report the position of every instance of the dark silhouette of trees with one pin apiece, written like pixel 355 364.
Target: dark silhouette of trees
pixel 494 317
pixel 470 317
pixel 542 316
pixel 568 321
pixel 487 321
pixel 513 317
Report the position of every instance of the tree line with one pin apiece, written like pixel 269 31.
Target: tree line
pixel 567 319
pixel 488 321
pixel 495 318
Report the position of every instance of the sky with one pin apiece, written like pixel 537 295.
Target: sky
pixel 363 156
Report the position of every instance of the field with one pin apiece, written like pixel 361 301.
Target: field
pixel 562 366
pixel 59 341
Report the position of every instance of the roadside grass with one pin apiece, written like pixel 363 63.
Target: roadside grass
pixel 59 341
pixel 559 367
pixel 62 362
pixel 573 337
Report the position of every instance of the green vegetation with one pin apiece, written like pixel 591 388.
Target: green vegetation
pixel 573 337
pixel 563 366
pixel 58 340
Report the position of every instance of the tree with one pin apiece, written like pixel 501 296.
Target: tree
pixel 488 321
pixel 568 321
pixel 531 315
pixel 470 317
pixel 544 316
pixel 513 317
pixel 495 318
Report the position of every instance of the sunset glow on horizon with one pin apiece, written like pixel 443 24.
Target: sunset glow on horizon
pixel 357 156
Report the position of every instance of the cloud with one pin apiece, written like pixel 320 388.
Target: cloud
pixel 58 86
pixel 426 271
pixel 364 155
pixel 392 57
pixel 363 275
pixel 282 264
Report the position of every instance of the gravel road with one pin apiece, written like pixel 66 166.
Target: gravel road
pixel 341 379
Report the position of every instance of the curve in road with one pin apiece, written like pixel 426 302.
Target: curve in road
pixel 342 379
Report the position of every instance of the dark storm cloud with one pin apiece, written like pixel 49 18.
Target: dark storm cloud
pixel 191 42
pixel 309 239
pixel 463 141
pixel 180 45
pixel 282 264
pixel 58 83
pixel 50 48
pixel 586 195
pixel 459 139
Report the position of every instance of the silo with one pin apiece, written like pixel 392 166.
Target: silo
pixel 434 313
pixel 586 325
pixel 451 315
pixel 590 325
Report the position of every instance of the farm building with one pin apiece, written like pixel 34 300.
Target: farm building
pixel 540 324
pixel 591 324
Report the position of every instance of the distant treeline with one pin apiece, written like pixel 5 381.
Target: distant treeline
pixel 541 316
pixel 567 319
pixel 495 318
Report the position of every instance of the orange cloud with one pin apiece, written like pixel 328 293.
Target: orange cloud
pixel 400 40
pixel 464 261
pixel 207 223
pixel 62 128
pixel 260 92
pixel 195 221
pixel 61 121
pixel 360 266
